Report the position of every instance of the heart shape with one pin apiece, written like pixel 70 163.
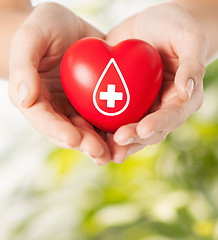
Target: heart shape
pixel 111 86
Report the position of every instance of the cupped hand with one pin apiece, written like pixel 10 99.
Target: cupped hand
pixel 34 79
pixel 182 46
pixel 35 86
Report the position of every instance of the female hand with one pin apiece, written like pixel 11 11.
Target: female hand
pixel 34 78
pixel 183 47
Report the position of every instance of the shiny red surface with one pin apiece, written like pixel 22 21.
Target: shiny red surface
pixel 83 65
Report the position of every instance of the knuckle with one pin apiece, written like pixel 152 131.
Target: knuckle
pixel 37 127
pixel 196 32
pixel 16 36
pixel 181 121
pixel 50 5
pixel 181 116
pixel 40 128
pixel 163 136
pixel 176 117
pixel 200 70
pixel 200 101
pixel 165 115
pixel 20 35
pixel 15 68
pixel 160 138
pixel 191 31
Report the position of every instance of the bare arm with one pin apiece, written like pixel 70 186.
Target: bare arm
pixel 206 13
pixel 12 15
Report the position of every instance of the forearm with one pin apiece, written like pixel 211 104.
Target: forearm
pixel 206 14
pixel 17 4
pixel 12 15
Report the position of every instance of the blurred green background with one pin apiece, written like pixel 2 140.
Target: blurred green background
pixel 165 192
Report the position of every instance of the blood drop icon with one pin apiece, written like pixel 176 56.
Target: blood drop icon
pixel 111 95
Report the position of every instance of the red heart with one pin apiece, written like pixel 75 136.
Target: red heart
pixel 111 86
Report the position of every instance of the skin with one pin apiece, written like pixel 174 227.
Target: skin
pixel 37 66
pixel 12 15
pixel 175 42
pixel 205 13
pixel 39 44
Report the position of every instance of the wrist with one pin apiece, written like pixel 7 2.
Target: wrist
pixel 206 15
pixel 24 5
pixel 10 20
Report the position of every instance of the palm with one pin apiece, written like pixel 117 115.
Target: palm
pixel 52 93
pixel 168 90
pixel 56 38
pixel 47 106
pixel 53 98
pixel 174 34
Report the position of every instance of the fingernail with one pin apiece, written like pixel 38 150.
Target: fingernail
pixel 87 154
pixel 23 92
pixel 94 160
pixel 148 135
pixel 129 141
pixel 65 145
pixel 190 87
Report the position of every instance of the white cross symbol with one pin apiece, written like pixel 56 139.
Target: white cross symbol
pixel 111 96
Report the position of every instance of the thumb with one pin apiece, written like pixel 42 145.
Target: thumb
pixel 27 48
pixel 187 77
pixel 192 57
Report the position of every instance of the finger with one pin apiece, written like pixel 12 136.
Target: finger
pixel 155 126
pixel 129 131
pixel 58 143
pixel 92 144
pixel 191 50
pixel 126 134
pixel 63 145
pixel 120 153
pixel 187 77
pixel 44 119
pixel 105 158
pixel 134 148
pixel 27 48
pixel 156 137
pixel 172 115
